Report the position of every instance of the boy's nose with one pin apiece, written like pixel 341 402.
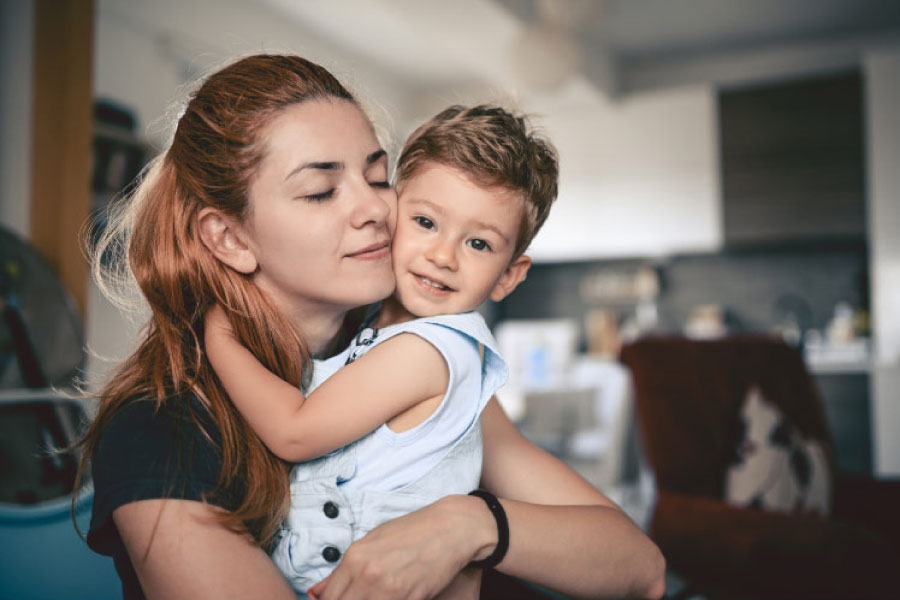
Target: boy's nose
pixel 443 254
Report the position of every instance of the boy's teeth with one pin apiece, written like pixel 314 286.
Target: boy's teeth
pixel 434 284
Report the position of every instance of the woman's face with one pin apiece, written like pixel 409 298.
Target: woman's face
pixel 321 210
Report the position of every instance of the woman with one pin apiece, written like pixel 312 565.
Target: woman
pixel 273 200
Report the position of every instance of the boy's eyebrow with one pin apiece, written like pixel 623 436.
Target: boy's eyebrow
pixel 335 165
pixel 483 225
pixel 427 203
pixel 439 210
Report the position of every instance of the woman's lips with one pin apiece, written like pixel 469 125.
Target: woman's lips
pixel 376 251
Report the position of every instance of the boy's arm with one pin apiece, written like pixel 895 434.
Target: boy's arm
pixel 386 381
pixel 389 379
pixel 265 400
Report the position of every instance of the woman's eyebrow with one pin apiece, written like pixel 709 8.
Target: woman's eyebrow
pixel 325 166
pixel 335 165
pixel 376 156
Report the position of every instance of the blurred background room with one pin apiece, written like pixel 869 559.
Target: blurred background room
pixel 727 237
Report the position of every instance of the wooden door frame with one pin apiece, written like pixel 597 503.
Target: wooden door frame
pixel 62 130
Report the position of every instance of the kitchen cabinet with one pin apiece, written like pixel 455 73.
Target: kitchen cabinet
pixel 638 177
pixel 792 162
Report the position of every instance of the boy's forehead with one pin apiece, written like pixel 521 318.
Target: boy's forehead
pixel 500 206
pixel 421 181
pixel 442 195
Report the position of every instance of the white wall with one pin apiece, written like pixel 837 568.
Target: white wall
pixel 639 176
pixel 882 75
pixel 16 65
pixel 145 50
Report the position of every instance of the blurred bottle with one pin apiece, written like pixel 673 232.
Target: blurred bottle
pixel 539 363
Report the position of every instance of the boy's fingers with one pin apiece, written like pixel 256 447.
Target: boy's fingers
pixel 330 588
pixel 316 590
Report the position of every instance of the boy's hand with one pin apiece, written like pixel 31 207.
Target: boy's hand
pixel 216 324
pixel 218 336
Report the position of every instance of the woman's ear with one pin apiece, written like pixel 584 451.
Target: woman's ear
pixel 226 239
pixel 512 276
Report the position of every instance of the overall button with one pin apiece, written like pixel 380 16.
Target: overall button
pixel 331 510
pixel 331 554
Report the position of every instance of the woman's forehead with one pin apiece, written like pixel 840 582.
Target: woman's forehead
pixel 326 130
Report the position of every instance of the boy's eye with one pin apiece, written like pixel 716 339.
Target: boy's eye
pixel 380 184
pixel 320 196
pixel 424 222
pixel 479 244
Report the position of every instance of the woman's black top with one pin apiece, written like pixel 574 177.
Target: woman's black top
pixel 142 455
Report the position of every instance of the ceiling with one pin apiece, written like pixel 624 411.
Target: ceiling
pixel 434 42
pixel 635 30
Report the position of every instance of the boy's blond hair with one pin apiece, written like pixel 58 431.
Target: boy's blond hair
pixel 496 148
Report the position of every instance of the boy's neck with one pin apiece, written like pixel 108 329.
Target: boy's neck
pixel 392 312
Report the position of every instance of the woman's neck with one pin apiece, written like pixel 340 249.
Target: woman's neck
pixel 317 323
pixel 316 328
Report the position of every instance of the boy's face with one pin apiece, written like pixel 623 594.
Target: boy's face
pixel 454 242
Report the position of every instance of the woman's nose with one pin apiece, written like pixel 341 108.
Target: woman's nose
pixel 373 206
pixel 443 254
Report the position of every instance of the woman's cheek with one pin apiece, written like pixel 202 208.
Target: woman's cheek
pixel 392 218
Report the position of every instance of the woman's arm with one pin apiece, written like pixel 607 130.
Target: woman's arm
pixel 413 557
pixel 179 550
pixel 564 534
pixel 392 377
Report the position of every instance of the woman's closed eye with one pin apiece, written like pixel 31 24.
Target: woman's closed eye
pixel 327 194
pixel 319 197
pixel 424 222
pixel 480 245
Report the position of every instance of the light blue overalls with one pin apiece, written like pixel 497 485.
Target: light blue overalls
pixel 338 498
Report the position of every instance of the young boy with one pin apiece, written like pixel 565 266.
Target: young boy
pixel 474 187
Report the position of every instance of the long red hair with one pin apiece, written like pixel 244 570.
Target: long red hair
pixel 153 242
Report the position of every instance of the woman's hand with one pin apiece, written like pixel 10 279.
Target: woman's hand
pixel 416 556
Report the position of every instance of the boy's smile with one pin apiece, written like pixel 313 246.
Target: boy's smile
pixel 454 242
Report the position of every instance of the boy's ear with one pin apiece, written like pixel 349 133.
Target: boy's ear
pixel 512 276
pixel 226 239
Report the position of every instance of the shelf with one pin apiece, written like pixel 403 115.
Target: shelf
pixel 840 367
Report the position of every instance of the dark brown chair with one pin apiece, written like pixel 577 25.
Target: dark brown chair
pixel 688 396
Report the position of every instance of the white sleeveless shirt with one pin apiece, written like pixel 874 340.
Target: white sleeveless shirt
pixel 338 498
